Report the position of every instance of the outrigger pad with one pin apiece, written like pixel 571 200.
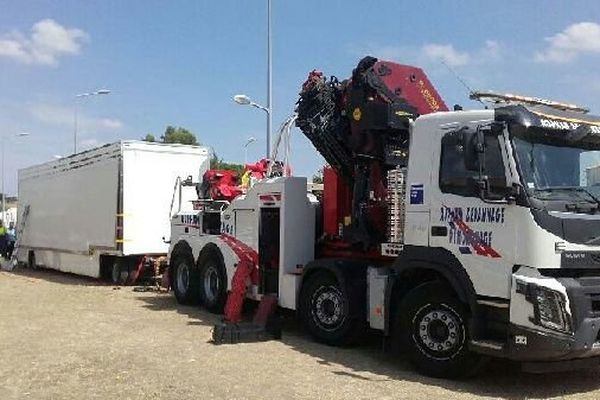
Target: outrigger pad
pixel 245 332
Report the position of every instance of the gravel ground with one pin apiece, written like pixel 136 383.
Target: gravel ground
pixel 65 337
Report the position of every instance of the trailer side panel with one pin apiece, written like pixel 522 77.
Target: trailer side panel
pixel 73 210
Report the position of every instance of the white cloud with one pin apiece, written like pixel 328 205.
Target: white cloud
pixel 566 46
pixel 64 117
pixel 491 50
pixel 110 123
pixel 47 43
pixel 446 53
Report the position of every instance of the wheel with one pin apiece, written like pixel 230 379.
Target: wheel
pixel 184 279
pixel 213 281
pixel 31 263
pixel 332 314
pixel 432 325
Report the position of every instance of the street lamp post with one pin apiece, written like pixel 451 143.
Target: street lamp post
pixel 245 100
pixel 248 142
pixel 269 80
pixel 20 134
pixel 75 123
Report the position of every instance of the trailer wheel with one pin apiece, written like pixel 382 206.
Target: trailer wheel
pixel 184 279
pixel 431 325
pixel 213 281
pixel 331 312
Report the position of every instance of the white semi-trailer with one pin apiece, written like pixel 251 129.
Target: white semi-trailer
pixel 98 212
pixel 460 235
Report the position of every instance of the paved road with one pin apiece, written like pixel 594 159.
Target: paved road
pixel 64 337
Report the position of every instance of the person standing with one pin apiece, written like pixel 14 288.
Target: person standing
pixel 11 237
pixel 3 239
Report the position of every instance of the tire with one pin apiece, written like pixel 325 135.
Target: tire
pixel 213 281
pixel 432 326
pixel 184 277
pixel 331 313
pixel 31 263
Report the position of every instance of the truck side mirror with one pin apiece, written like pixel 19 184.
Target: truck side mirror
pixel 474 146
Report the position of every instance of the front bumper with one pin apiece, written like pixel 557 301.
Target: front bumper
pixel 532 345
pixel 540 348
pixel 540 351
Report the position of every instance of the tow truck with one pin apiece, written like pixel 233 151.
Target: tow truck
pixel 460 235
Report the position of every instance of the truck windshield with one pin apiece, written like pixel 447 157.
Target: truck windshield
pixel 554 169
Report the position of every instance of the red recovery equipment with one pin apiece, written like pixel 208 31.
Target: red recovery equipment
pixel 219 185
pixel 361 127
pixel 225 184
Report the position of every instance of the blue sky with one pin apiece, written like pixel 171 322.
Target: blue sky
pixel 180 62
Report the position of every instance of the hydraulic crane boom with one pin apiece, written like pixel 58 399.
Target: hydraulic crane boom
pixel 361 127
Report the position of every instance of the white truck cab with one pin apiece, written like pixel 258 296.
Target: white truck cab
pixel 520 221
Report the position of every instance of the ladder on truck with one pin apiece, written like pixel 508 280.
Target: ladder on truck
pixel 12 263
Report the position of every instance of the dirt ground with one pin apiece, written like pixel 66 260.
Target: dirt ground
pixel 65 337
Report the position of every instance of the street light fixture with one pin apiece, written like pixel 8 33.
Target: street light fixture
pixel 242 99
pixel 20 134
pixel 79 96
pixel 249 141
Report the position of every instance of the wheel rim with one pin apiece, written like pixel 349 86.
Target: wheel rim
pixel 328 309
pixel 211 283
pixel 183 277
pixel 438 331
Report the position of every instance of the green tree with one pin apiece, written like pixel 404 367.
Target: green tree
pixel 179 135
pixel 318 177
pixel 218 163
pixel 149 138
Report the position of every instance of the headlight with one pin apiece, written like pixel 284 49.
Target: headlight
pixel 549 309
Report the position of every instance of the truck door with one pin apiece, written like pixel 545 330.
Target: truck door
pixel 477 230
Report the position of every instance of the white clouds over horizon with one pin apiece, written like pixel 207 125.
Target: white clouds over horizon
pixel 47 43
pixel 574 40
